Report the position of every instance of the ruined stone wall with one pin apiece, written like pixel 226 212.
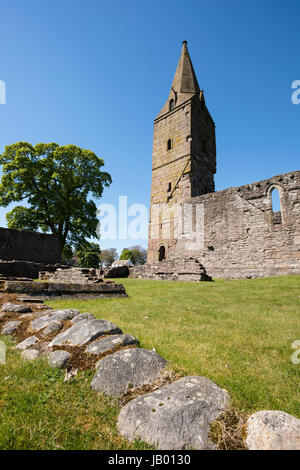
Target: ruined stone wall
pixel 241 235
pixel 29 246
pixel 24 269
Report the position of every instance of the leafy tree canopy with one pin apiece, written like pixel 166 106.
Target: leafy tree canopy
pixel 88 255
pixel 136 254
pixel 58 183
pixel 107 257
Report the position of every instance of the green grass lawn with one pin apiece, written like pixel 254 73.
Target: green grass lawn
pixel 237 333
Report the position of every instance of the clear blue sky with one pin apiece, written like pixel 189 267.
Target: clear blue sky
pixel 95 74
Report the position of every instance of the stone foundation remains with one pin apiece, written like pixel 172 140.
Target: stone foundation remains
pixel 64 291
pixel 188 269
pixel 24 269
pixel 68 274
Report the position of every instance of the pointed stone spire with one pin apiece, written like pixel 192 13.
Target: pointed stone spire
pixel 185 84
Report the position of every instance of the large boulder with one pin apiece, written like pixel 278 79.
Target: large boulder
pixel 127 369
pixel 177 416
pixel 83 316
pixel 10 327
pixel 59 358
pixel 53 327
pixel 27 343
pixel 15 308
pixel 273 430
pixel 109 343
pixel 84 331
pixel 67 314
pixel 57 315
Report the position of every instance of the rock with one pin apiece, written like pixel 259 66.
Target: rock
pixel 177 416
pixel 15 308
pixel 66 314
pixel 54 326
pixel 109 343
pixel 59 359
pixel 57 315
pixel 30 354
pixel 42 322
pixel 27 343
pixel 84 331
pixel 10 327
pixel 83 316
pixel 273 430
pixel 127 369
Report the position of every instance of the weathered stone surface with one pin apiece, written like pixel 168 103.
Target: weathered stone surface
pixel 66 314
pixel 109 343
pixel 42 322
pixel 66 290
pixel 84 331
pixel 27 343
pixel 177 416
pixel 83 316
pixel 127 369
pixel 59 359
pixel 15 308
pixel 10 327
pixel 30 354
pixel 29 246
pixel 56 315
pixel 53 327
pixel 273 430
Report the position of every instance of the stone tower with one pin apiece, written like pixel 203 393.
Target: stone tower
pixel 184 155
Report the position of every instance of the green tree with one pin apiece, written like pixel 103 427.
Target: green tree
pixel 107 257
pixel 58 183
pixel 139 254
pixel 67 254
pixel 127 254
pixel 88 255
pixel 136 254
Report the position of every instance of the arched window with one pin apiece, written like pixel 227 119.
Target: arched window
pixel 276 207
pixel 161 253
pixel 169 145
pixel 171 105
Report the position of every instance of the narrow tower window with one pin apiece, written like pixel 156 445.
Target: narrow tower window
pixel 161 253
pixel 203 146
pixel 276 207
pixel 169 187
pixel 171 105
pixel 169 146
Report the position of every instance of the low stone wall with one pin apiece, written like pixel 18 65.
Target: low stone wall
pixel 118 271
pixel 72 274
pixel 61 290
pixel 24 269
pixel 187 269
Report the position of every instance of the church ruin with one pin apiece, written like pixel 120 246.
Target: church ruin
pixel 234 233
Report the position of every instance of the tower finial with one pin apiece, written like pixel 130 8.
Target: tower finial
pixel 184 43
